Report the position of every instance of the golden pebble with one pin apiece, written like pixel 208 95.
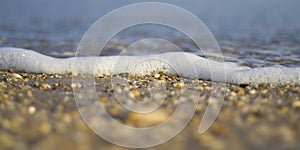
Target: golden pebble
pixel 45 86
pixel 73 73
pixel 252 92
pixel 156 76
pixel 31 110
pixel 149 119
pixel 180 84
pixel 280 92
pixel 37 84
pixel 241 92
pixel 207 88
pixel 264 91
pixel 296 104
pixel 233 94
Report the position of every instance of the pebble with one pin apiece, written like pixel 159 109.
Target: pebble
pixel 37 84
pixel 207 88
pixel 280 92
pixel 31 110
pixel 16 76
pixel 178 84
pixel 252 92
pixel 173 77
pixel 149 119
pixel 73 73
pixel 233 94
pixel 265 91
pixel 296 104
pixel 241 92
pixel 157 75
pixel 45 86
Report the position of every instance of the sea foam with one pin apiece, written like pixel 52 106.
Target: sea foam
pixel 183 64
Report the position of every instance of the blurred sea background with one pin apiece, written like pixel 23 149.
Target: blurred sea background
pixel 251 32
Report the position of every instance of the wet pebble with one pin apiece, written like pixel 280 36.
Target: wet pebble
pixel 16 77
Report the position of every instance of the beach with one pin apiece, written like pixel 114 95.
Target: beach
pixel 38 111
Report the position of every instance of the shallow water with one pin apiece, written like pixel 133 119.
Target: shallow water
pixel 252 33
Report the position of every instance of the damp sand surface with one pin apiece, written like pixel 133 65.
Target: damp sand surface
pixel 38 111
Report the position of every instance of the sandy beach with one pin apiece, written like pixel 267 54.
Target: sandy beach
pixel 38 111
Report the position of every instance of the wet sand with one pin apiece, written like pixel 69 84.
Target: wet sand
pixel 38 111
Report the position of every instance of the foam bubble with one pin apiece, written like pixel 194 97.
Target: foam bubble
pixel 30 61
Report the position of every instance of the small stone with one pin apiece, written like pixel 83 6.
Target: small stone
pixel 241 92
pixel 207 88
pixel 45 86
pixel 73 85
pixel 173 77
pixel 264 91
pixel 233 94
pixel 157 75
pixel 252 92
pixel 37 84
pixel 100 76
pixel 31 110
pixel 280 92
pixel 73 73
pixel 296 104
pixel 149 119
pixel 263 85
pixel 180 84
pixel 16 76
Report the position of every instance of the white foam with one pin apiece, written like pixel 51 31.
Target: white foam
pixel 173 63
